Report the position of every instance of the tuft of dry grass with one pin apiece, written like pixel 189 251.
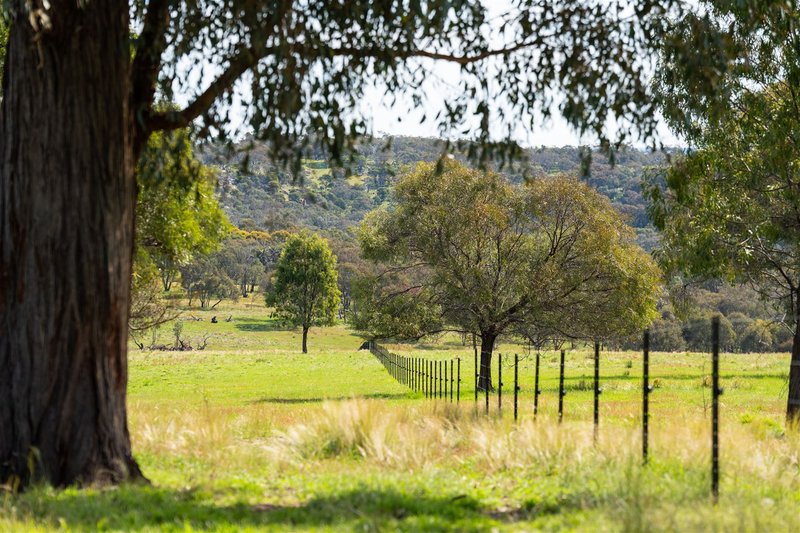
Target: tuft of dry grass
pixel 415 436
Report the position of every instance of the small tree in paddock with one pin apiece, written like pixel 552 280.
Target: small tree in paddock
pixel 304 288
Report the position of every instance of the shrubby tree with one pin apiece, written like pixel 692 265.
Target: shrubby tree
pixel 349 265
pixel 666 335
pixel 242 257
pixel 148 306
pixel 465 250
pixel 205 279
pixel 757 337
pixel 304 288
pixel 697 333
pixel 740 323
pixel 177 213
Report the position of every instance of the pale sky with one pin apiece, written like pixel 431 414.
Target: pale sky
pixel 401 118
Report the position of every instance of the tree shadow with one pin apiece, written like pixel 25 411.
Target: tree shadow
pixel 252 325
pixel 375 395
pixel 136 508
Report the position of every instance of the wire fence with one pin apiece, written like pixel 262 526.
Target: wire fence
pixel 436 379
pixel 441 380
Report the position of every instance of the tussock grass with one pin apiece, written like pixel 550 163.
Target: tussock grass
pixel 251 435
pixel 351 462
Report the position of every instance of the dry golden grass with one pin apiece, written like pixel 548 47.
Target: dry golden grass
pixel 420 435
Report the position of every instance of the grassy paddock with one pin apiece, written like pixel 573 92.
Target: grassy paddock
pixel 250 434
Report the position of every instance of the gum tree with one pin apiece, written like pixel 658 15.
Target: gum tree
pixel 465 250
pixel 730 208
pixel 82 93
pixel 304 288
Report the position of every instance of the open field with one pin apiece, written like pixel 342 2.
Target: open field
pixel 249 434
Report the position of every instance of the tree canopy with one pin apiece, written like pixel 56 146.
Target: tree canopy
pixel 304 288
pixel 466 250
pixel 586 60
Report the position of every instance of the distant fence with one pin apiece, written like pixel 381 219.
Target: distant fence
pixel 423 375
pixel 431 377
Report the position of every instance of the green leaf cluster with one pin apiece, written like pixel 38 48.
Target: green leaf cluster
pixel 730 208
pixel 465 249
pixel 178 218
pixel 177 213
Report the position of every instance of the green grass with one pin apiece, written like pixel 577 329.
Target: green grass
pixel 250 434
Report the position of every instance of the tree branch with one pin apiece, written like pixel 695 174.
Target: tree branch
pixel 249 57
pixel 172 120
pixel 146 65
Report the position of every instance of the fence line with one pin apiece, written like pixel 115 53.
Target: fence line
pixel 431 379
pixel 428 377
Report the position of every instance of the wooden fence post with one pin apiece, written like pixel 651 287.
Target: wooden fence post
pixel 432 379
pixel 500 384
pixel 458 382
pixel 597 390
pixel 421 368
pixel 451 381
pixel 429 379
pixel 486 388
pixel 445 380
pixel 477 375
pixel 440 380
pixel 536 390
pixel 516 384
pixel 436 380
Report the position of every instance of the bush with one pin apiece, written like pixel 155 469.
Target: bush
pixel 667 336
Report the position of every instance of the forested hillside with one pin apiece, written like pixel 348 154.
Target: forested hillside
pixel 260 196
pixel 271 199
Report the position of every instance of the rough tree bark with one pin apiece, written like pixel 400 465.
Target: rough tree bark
pixel 793 403
pixel 305 339
pixel 488 339
pixel 67 202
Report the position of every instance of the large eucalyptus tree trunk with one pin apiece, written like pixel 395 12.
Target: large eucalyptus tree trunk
pixel 67 199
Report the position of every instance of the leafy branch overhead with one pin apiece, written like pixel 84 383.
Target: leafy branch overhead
pixel 305 67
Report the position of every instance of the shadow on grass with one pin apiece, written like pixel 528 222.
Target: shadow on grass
pixel 375 395
pixel 636 376
pixel 259 326
pixel 135 508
